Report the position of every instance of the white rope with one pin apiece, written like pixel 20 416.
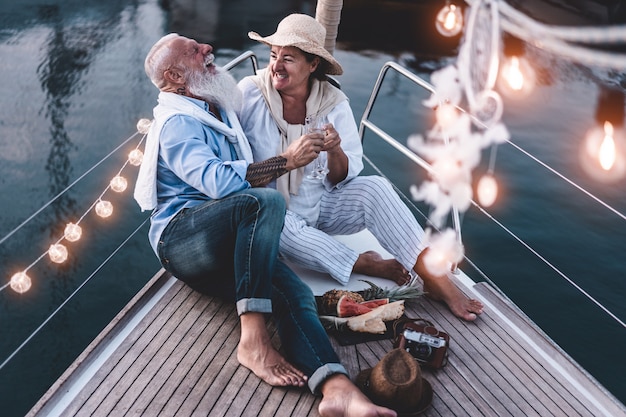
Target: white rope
pixel 557 39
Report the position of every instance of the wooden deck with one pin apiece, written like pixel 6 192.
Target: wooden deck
pixel 172 352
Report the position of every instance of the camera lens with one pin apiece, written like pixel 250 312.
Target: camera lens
pixel 420 351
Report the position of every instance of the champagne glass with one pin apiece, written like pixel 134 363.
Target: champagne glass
pixel 316 123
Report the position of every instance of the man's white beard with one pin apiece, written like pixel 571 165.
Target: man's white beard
pixel 219 88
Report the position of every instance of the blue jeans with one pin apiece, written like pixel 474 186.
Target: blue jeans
pixel 229 248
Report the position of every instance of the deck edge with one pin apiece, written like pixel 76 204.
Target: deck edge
pixel 69 383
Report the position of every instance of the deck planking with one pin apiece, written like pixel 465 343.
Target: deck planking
pixel 180 360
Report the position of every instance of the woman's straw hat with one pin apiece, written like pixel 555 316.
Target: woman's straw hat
pixel 396 382
pixel 305 33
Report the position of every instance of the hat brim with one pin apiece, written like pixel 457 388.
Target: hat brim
pixel 334 68
pixel 426 398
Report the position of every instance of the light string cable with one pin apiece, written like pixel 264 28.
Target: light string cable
pixel 58 309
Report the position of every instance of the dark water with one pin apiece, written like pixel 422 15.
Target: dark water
pixel 73 89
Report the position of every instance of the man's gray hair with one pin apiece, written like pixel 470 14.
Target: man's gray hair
pixel 158 59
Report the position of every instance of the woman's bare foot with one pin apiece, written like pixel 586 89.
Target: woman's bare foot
pixel 255 352
pixel 372 264
pixel 341 398
pixel 441 288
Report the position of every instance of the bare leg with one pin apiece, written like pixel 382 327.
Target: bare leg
pixel 372 264
pixel 443 289
pixel 341 398
pixel 255 352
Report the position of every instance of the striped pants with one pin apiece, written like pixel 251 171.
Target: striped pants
pixel 365 202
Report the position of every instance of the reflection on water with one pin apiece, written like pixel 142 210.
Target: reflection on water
pixel 81 89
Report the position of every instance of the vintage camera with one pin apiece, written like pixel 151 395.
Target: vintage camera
pixel 426 348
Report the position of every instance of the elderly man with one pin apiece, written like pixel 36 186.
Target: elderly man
pixel 217 229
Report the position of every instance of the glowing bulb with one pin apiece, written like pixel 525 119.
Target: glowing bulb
pixel 601 154
pixel 135 157
pixel 606 153
pixel 118 184
pixel 446 114
pixel 516 77
pixel 57 253
pixel 20 282
pixel 449 20
pixel 73 232
pixel 448 172
pixel 143 125
pixel 487 190
pixel 104 208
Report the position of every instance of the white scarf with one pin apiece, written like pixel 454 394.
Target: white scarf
pixel 171 104
pixel 322 99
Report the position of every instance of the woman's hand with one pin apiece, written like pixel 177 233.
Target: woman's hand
pixel 332 141
pixel 304 150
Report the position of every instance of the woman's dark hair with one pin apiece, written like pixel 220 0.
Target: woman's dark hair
pixel 321 70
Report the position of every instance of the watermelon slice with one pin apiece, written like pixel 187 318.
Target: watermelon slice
pixel 346 307
pixel 375 303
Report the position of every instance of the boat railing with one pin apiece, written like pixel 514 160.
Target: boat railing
pixel 366 124
pixel 247 55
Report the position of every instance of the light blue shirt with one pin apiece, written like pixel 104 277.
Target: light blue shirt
pixel 196 164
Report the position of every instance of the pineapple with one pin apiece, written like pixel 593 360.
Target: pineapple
pixel 394 294
pixel 330 299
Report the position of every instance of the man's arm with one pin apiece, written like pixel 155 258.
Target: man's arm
pixel 262 173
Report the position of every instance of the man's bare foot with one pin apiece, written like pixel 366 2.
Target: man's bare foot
pixel 255 352
pixel 372 264
pixel 341 398
pixel 441 288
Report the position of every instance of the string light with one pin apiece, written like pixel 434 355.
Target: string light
pixel 58 253
pixel 73 232
pixel 601 155
pixel 446 114
pixel 118 184
pixel 517 77
pixel 449 21
pixel 20 282
pixel 487 190
pixel 135 157
pixel 104 208
pixel 143 125
pixel 606 152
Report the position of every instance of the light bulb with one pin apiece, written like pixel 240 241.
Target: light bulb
pixel 20 282
pixel 135 157
pixel 446 114
pixel 601 155
pixel 118 184
pixel 487 190
pixel 448 172
pixel 72 232
pixel 517 77
pixel 449 21
pixel 606 153
pixel 143 125
pixel 57 253
pixel 104 208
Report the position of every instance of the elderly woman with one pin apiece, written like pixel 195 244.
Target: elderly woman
pixel 276 103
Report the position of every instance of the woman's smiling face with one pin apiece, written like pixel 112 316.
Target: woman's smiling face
pixel 289 68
